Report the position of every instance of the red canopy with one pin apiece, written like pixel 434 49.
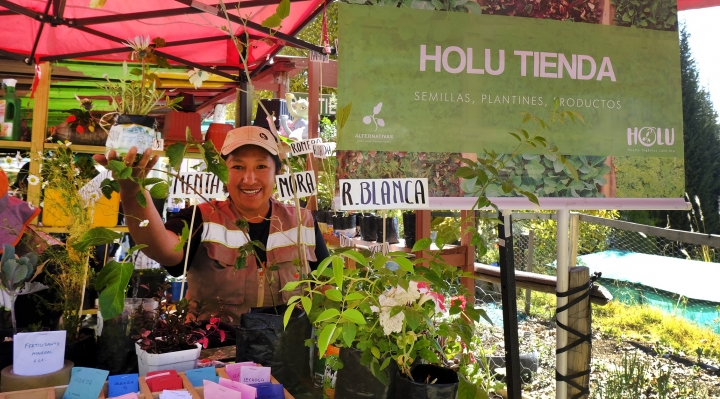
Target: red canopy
pixel 191 29
pixel 693 4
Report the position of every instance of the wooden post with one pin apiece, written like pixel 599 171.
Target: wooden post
pixel 422 229
pixel 574 237
pixel 314 88
pixel 578 319
pixel 529 268
pixel 39 129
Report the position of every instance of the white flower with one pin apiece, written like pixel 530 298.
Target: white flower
pixel 144 223
pixel 77 171
pixel 8 159
pixel 42 204
pixel 67 143
pixel 138 43
pixel 30 205
pixel 33 180
pixel 18 157
pixel 374 308
pixel 44 184
pixel 391 324
pixel 49 138
pixel 94 196
pixel 116 241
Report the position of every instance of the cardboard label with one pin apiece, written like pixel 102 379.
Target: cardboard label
pixel 303 147
pixel 319 57
pixel 93 186
pixel 181 394
pixel 270 391
pixel 233 369
pixel 127 396
pixel 194 184
pixel 357 194
pixel 375 248
pixel 246 390
pixel 197 376
pixel 216 391
pixel 85 383
pixel 304 183
pixel 38 352
pixel 122 384
pixel 346 242
pixel 324 150
pixel 254 375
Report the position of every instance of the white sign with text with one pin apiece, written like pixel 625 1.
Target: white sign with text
pixel 303 147
pixel 304 183
pixel 91 192
pixel 357 194
pixel 195 184
pixel 38 353
pixel 324 150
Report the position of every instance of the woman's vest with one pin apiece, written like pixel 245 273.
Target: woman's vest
pixel 211 274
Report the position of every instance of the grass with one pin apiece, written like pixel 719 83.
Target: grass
pixel 640 322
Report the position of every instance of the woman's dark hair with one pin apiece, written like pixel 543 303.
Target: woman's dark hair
pixel 22 176
pixel 275 158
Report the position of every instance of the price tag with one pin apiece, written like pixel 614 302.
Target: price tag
pixel 346 241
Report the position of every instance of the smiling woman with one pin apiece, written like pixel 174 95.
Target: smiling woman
pixel 241 250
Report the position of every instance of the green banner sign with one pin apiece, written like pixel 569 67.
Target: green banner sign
pixel 432 81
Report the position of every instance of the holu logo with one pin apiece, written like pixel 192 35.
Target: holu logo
pixel 649 136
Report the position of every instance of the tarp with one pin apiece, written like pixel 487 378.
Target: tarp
pixel 694 4
pixel 18 32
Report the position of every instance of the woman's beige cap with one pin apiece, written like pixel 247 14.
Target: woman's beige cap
pixel 249 135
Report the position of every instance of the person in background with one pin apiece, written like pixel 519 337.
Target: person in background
pixel 252 157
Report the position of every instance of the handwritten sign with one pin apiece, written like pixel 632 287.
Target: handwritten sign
pixel 233 369
pixel 38 352
pixel 356 194
pixel 158 144
pixel 127 396
pixel 319 57
pixel 212 390
pixel 93 186
pixel 324 150
pixel 254 375
pixel 346 242
pixel 85 383
pixel 197 376
pixel 246 390
pixel 304 183
pixel 181 394
pixel 121 384
pixel 375 248
pixel 195 184
pixel 303 147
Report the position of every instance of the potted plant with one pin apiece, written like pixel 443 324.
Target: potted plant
pixel 166 339
pixel 393 315
pixel 134 98
pixel 16 276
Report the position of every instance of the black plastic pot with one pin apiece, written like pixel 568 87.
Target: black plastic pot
pixel 445 385
pixel 357 381
pixel 350 221
pixel 6 348
pixel 368 229
pixel 146 285
pixel 409 228
pixel 391 230
pixel 82 352
pixel 115 349
pixel 338 222
pixel 262 338
pixel 143 120
pixel 320 216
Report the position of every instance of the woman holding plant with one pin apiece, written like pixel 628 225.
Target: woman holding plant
pixel 242 250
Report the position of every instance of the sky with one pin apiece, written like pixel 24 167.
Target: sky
pixel 704 28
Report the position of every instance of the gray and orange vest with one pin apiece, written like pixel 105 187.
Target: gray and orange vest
pixel 212 276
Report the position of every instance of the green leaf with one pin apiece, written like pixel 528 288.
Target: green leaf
pixel 466 389
pixel 466 173
pixel 334 295
pixel 175 154
pixel 354 296
pixel 354 315
pixel 159 190
pixel 473 7
pixel 272 21
pixel 356 256
pixel 125 173
pixel 338 268
pixel 291 285
pixel 153 180
pixel 96 236
pixel 140 198
pixel 349 332
pixel 136 71
pixel 405 264
pixel 385 363
pixel 324 338
pixel 375 352
pixel 422 244
pixel 324 264
pixel 287 315
pixel 327 314
pixel 214 162
pixel 184 237
pixel 112 281
pixel 283 9
pixel 108 187
pixel 240 263
pixel 413 318
pixel 306 304
pixel 135 248
pixel 343 114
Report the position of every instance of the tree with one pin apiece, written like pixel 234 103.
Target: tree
pixel 313 34
pixel 701 136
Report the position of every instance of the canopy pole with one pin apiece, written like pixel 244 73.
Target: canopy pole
pixel 509 306
pixel 563 279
